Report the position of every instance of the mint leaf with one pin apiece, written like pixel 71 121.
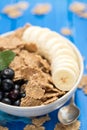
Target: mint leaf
pixel 5 58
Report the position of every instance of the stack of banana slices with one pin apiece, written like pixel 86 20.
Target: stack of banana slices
pixel 60 53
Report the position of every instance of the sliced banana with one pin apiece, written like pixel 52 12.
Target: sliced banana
pixel 53 45
pixel 58 40
pixel 47 47
pixel 64 78
pixel 33 36
pixel 27 36
pixel 65 58
pixel 36 35
pixel 65 51
pixel 67 63
pixel 58 48
pixel 43 38
pixel 59 52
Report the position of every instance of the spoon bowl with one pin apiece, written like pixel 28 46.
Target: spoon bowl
pixel 68 114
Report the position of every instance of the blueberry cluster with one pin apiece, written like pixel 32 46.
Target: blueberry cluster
pixel 10 91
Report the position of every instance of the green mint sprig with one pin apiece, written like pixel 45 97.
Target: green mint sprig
pixel 5 58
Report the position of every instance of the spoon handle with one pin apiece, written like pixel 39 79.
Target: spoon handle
pixel 72 99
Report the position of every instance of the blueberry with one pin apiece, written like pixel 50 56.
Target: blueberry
pixel 17 103
pixel 14 94
pixel 7 85
pixel 6 101
pixel 16 86
pixel 1 95
pixel 20 82
pixel 0 81
pixel 22 94
pixel 7 73
pixel 6 94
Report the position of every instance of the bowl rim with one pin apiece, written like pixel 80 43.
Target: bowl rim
pixel 61 98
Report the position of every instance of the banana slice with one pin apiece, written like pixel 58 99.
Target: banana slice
pixel 30 34
pixel 47 47
pixel 52 45
pixel 65 51
pixel 57 38
pixel 59 52
pixel 65 58
pixel 56 41
pixel 36 34
pixel 43 38
pixel 64 78
pixel 58 47
pixel 67 63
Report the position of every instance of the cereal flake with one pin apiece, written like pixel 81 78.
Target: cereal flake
pixel 28 101
pixel 23 5
pixel 83 82
pixel 10 43
pixel 7 9
pixel 83 14
pixel 85 89
pixel 31 47
pixel 15 14
pixel 66 31
pixel 74 126
pixel 41 9
pixel 34 91
pixel 77 7
pixel 40 121
pixel 15 10
pixel 32 127
pixel 3 128
pixel 50 100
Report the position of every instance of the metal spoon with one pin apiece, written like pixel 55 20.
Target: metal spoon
pixel 68 114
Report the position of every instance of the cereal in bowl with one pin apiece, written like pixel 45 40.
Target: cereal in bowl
pixel 41 74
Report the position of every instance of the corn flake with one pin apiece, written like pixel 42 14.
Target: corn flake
pixel 77 7
pixel 31 47
pixel 83 82
pixel 15 14
pixel 32 127
pixel 28 101
pixel 85 89
pixel 15 10
pixel 40 121
pixel 34 91
pixel 66 31
pixel 74 126
pixel 50 100
pixel 41 9
pixel 23 5
pixel 3 128
pixel 83 14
